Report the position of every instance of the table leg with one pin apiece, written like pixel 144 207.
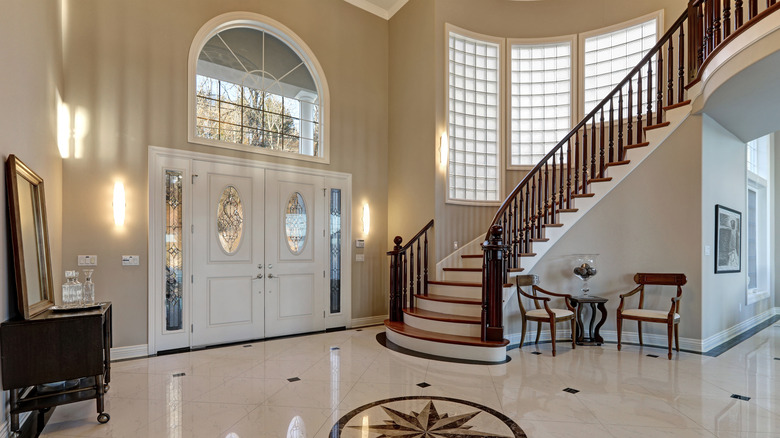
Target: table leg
pixel 580 327
pixel 592 320
pixel 14 400
pixel 603 310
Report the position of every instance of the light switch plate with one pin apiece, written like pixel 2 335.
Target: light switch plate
pixel 360 243
pixel 130 260
pixel 360 257
pixel 87 260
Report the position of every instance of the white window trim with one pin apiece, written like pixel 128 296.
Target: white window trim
pixel 502 98
pixel 575 67
pixel 659 29
pixel 758 183
pixel 260 22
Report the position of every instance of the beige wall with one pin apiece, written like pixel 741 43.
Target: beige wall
pixel 126 71
pixel 650 222
pixel 30 81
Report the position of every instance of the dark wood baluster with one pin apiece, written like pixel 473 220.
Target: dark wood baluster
pixel 726 18
pixel 504 223
pixel 533 207
pixel 553 189
pixel 639 108
pixel 630 122
pixel 546 193
pixel 568 169
pixel 592 151
pixel 577 155
pixel 770 3
pixel 716 23
pixel 526 223
pixel 737 14
pixel 611 131
pixel 670 73
pixel 708 36
pixel 681 67
pixel 659 89
pixel 702 31
pixel 514 230
pixel 405 278
pixel 752 9
pixel 411 276
pixel 425 257
pixel 419 267
pixel 565 174
pixel 620 124
pixel 539 206
pixel 650 92
pixel 561 177
pixel 601 145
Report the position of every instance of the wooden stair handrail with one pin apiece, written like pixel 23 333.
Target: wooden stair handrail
pixel 403 275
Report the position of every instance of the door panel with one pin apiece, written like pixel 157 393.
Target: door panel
pixel 295 254
pixel 228 237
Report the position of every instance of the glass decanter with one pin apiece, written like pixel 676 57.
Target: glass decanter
pixel 89 288
pixel 72 290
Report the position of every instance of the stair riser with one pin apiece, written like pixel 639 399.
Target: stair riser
pixel 471 263
pixel 451 328
pixel 467 352
pixel 455 291
pixel 471 277
pixel 450 308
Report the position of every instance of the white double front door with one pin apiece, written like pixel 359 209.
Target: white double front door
pixel 261 253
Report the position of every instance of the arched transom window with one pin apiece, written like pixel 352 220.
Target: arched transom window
pixel 256 86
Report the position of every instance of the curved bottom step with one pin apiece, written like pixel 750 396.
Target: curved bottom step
pixel 440 344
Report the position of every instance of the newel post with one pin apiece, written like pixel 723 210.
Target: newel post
pixel 396 279
pixel 493 279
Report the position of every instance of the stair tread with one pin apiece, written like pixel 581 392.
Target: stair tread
pixel 568 210
pixel 516 269
pixel 617 163
pixel 540 239
pixel 638 145
pixel 463 270
pixel 448 299
pixel 406 330
pixel 595 180
pixel 583 195
pixel 677 105
pixel 471 256
pixel 446 317
pixel 659 125
pixel 551 226
pixel 456 283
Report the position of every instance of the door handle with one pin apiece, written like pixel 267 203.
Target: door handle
pixel 260 266
pixel 272 276
pixel 259 276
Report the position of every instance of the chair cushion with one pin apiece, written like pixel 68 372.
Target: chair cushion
pixel 647 313
pixel 541 313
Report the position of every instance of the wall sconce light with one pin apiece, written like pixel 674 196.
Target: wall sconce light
pixel 119 204
pixel 444 148
pixel 366 219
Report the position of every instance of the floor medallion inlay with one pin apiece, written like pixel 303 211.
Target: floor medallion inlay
pixel 425 416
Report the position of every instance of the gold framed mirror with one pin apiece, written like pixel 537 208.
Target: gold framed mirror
pixel 29 238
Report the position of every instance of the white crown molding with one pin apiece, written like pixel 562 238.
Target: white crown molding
pixel 377 10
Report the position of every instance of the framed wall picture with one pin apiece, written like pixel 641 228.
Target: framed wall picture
pixel 728 240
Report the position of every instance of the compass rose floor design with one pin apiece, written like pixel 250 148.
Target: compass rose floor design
pixel 425 416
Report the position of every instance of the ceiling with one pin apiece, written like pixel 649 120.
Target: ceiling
pixel 387 8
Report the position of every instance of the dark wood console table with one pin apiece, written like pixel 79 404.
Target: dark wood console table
pixel 53 347
pixel 593 335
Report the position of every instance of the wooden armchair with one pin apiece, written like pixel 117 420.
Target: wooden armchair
pixel 640 314
pixel 542 311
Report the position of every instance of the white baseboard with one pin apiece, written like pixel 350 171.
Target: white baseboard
pixel 369 320
pixel 655 340
pixel 130 352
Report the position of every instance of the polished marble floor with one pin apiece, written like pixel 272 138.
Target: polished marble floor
pixel 301 387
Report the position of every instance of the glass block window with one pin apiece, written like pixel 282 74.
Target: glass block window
pixel 473 87
pixel 540 100
pixel 174 263
pixel 610 56
pixel 758 157
pixel 335 250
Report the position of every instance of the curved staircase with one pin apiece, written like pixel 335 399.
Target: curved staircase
pixel 460 315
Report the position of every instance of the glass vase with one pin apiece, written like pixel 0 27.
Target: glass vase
pixel 89 288
pixel 585 269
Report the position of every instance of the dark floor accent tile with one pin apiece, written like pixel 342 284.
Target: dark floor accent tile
pixel 247 346
pixel 179 375
pixel 423 384
pixel 536 352
pixel 359 330
pixel 571 390
pixel 652 355
pixel 334 348
pixel 740 397
pixel 777 358
pixel 293 379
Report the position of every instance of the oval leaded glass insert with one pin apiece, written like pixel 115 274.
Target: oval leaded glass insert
pixel 230 219
pixel 295 223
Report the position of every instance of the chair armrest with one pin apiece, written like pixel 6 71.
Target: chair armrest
pixel 547 292
pixel 527 295
pixel 626 295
